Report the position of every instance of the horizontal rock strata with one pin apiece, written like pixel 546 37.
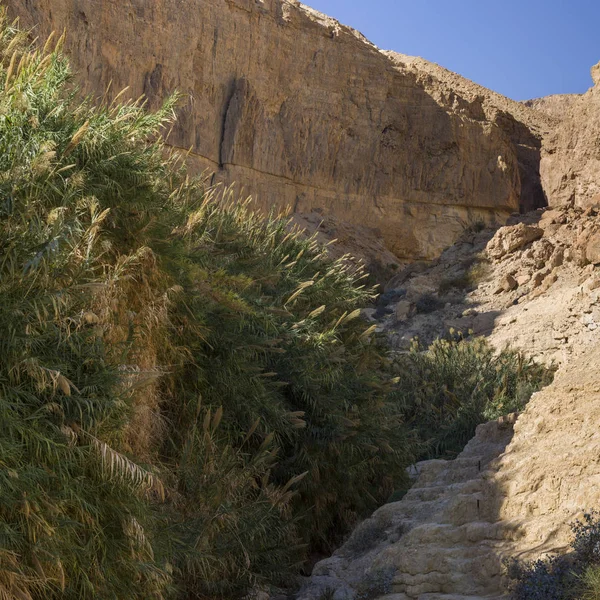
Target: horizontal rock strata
pixel 301 111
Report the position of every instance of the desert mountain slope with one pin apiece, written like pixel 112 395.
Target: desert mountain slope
pixel 571 156
pixel 557 106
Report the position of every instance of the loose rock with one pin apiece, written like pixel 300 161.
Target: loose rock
pixel 511 238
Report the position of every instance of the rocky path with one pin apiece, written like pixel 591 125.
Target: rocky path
pixel 521 481
pixel 511 493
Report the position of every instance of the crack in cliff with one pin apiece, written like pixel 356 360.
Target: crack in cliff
pixel 376 202
pixel 228 100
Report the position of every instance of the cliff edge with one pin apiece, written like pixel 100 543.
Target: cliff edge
pixel 305 113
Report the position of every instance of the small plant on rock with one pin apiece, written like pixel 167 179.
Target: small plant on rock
pixel 428 303
pixel 574 576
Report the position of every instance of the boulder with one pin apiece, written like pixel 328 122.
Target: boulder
pixel 552 217
pixel 483 323
pixel 509 283
pixel 404 310
pixel 511 238
pixel 545 284
pixel 538 278
pixel 592 250
pixel 557 258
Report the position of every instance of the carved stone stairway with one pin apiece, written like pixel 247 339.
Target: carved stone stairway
pixel 511 493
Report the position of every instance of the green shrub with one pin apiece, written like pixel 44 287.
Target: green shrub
pixel 282 349
pixel 189 400
pixel 454 386
pixel 590 583
pixel 475 271
pixel 428 303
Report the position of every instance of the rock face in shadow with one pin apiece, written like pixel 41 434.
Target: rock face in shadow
pixel 570 164
pixel 522 123
pixel 306 113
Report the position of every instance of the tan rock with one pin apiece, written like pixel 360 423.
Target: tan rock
pixel 539 277
pixel 545 284
pixel 590 204
pixel 592 250
pixel 404 310
pixel 511 238
pixel 507 284
pixel 306 114
pixel 595 72
pixel 557 106
pixel 551 217
pixel 593 283
pixel 557 258
pixel 524 126
pixel 570 160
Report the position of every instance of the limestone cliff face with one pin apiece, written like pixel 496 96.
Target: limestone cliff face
pixel 525 126
pixel 300 111
pixel 570 164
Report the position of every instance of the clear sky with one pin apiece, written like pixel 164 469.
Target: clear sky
pixel 521 48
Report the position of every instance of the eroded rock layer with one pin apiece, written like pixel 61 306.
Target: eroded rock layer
pixel 571 156
pixel 301 111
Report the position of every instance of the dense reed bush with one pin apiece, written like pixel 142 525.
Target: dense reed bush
pixel 455 385
pixel 189 400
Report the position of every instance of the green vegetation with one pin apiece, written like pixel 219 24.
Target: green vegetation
pixel 475 272
pixel 189 401
pixel 454 386
pixel 573 576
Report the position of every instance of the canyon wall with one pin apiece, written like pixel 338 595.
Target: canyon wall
pixel 306 113
pixel 570 163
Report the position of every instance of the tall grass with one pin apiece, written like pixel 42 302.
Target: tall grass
pixel 189 401
pixel 453 386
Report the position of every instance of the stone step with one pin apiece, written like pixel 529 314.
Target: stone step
pixel 449 536
pixel 455 597
pixel 441 473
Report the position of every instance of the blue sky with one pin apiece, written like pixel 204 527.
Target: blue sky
pixel 521 48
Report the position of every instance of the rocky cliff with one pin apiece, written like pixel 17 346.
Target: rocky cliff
pixel 305 113
pixel 571 155
pixel 366 145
